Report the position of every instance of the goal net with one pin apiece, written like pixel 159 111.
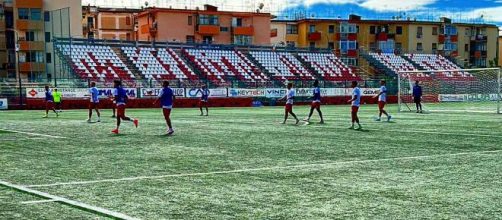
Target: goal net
pixel 469 90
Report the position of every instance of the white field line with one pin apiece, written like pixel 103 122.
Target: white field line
pixel 33 134
pixel 73 203
pixel 262 169
pixel 436 132
pixel 38 201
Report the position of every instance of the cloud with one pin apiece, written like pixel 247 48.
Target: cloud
pixel 395 5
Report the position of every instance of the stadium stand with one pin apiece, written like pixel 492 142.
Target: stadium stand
pixel 282 65
pixel 393 62
pixel 431 62
pixel 161 64
pixel 330 67
pixel 220 66
pixel 96 62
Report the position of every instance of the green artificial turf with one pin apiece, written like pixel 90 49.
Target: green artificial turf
pixel 241 163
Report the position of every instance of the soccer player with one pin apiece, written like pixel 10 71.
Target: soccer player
pixel 166 98
pixel 356 102
pixel 49 102
pixel 417 96
pixel 57 99
pixel 204 100
pixel 382 100
pixel 94 102
pixel 289 97
pixel 121 98
pixel 316 103
pixel 114 103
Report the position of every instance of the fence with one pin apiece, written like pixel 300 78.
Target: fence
pixel 17 91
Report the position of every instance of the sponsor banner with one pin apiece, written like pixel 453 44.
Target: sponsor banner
pixel 467 97
pixel 4 104
pixel 367 91
pixel 246 92
pixel 69 93
pixel 154 92
pixel 39 93
pixel 197 92
pixel 219 92
pixel 275 93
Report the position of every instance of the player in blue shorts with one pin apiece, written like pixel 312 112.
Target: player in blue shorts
pixel 49 102
pixel 166 98
pixel 316 102
pixel 94 101
pixel 204 100
pixel 121 98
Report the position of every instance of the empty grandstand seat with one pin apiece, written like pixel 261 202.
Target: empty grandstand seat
pixel 220 66
pixel 96 62
pixel 435 62
pixel 159 64
pixel 282 65
pixel 330 67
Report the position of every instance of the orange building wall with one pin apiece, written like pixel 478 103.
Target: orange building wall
pixel 173 26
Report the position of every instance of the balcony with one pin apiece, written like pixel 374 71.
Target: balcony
pixel 248 31
pixel 31 45
pixel 314 36
pixel 29 25
pixel 208 29
pixel 31 67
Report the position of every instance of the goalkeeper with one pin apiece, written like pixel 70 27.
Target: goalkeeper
pixel 417 96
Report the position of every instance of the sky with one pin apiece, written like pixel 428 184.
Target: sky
pixel 487 11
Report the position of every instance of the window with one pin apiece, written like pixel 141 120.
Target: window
pixel 208 20
pixel 291 29
pixel 190 39
pixel 47 16
pixel 190 20
pixel 372 30
pixel 34 56
pixel 224 29
pixel 399 30
pixel 47 37
pixel 312 44
pixel 36 14
pixel 29 36
pixel 311 28
pixel 420 47
pixel 331 45
pixel 243 40
pixel 434 30
pixel 331 29
pixel 434 46
pixel 347 45
pixel 236 22
pixel 128 20
pixel 23 13
pixel 420 32
pixel 466 47
pixel 48 58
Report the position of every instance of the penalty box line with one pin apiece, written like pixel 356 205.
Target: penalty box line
pixel 73 203
pixel 32 134
pixel 262 169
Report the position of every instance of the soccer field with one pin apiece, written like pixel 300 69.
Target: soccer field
pixel 241 163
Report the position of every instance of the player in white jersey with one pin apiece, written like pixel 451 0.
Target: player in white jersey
pixel 356 102
pixel 290 96
pixel 382 100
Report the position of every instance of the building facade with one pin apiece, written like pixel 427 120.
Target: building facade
pixel 28 28
pixel 204 26
pixel 470 44
pixel 109 23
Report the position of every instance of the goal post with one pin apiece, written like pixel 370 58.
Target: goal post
pixel 461 90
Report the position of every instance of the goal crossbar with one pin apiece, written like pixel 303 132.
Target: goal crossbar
pixel 475 88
